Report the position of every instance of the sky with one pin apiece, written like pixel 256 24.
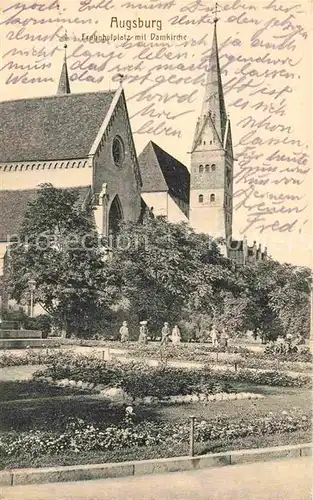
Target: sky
pixel 265 55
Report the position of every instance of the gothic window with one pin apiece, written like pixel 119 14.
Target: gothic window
pixel 115 215
pixel 212 198
pixel 213 167
pixel 118 152
pixel 200 169
pixel 200 198
pixel 207 168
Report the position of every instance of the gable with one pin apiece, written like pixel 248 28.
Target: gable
pixel 161 172
pixel 175 174
pixel 151 173
pixel 51 128
pixel 206 136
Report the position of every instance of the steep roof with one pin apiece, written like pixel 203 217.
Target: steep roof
pixel 51 128
pixel 162 172
pixel 64 82
pixel 13 205
pixel 214 96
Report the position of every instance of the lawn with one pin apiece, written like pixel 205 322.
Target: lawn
pixel 277 399
pixel 18 372
pixel 29 405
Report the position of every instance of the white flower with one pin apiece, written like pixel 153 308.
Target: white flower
pixel 129 410
pixel 285 412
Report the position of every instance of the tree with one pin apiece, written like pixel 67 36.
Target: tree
pixel 155 266
pixel 291 301
pixel 278 298
pixel 59 249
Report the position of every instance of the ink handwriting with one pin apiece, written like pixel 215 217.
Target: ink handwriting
pixel 262 61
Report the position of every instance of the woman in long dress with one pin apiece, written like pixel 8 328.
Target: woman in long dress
pixel 143 333
pixel 176 336
pixel 124 333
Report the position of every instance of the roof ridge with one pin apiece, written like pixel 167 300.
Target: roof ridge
pixel 39 187
pixel 168 154
pixel 58 96
pixel 158 162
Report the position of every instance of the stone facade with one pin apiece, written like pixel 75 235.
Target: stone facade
pixel 123 181
pixel 212 169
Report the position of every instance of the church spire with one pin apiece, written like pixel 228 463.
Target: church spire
pixel 214 103
pixel 64 82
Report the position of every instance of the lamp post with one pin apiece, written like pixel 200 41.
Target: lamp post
pixel 32 287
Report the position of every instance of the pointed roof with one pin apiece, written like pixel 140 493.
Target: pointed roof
pixel 58 127
pixel 64 82
pixel 213 102
pixel 162 172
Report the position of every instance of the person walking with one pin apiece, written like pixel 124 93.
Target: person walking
pixel 165 334
pixel 176 336
pixel 124 332
pixel 143 333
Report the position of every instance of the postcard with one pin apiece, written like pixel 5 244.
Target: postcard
pixel 183 130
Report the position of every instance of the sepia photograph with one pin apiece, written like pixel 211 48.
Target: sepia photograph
pixel 156 286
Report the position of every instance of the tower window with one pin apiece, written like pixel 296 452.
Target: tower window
pixel 204 143
pixel 207 168
pixel 200 199
pixel 200 169
pixel 213 167
pixel 210 142
pixel 212 198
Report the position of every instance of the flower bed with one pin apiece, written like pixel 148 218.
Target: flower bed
pixel 195 351
pixel 30 357
pixel 139 380
pixel 185 352
pixel 82 437
pixel 136 379
pixel 118 395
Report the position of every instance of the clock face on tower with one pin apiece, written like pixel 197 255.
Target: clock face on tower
pixel 118 151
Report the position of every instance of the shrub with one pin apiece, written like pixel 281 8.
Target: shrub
pixel 43 322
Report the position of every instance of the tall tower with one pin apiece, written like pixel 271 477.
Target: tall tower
pixel 211 176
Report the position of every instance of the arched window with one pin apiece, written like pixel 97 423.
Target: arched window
pixel 212 198
pixel 115 215
pixel 200 198
pixel 210 142
pixel 207 168
pixel 200 169
pixel 204 143
pixel 213 167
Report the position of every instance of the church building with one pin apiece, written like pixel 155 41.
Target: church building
pixel 78 141
pixel 84 142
